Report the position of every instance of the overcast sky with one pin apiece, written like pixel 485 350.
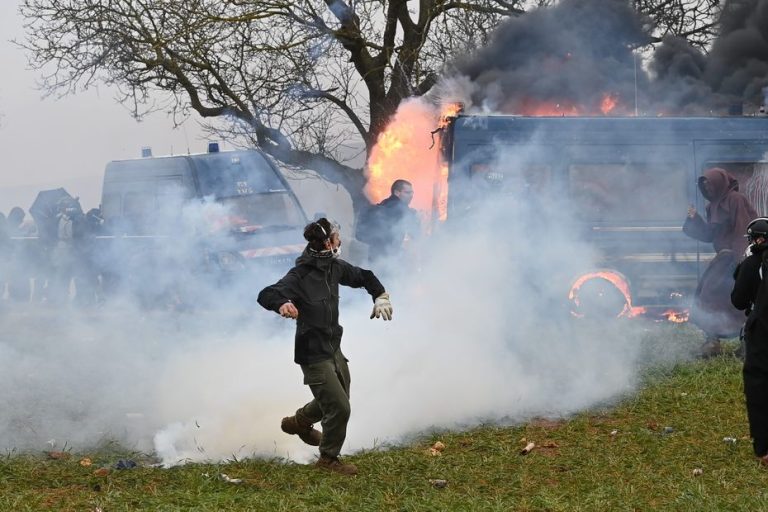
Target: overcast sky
pixel 47 143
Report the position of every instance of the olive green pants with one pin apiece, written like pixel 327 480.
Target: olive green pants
pixel 329 382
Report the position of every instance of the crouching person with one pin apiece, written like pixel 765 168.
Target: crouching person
pixel 750 293
pixel 309 293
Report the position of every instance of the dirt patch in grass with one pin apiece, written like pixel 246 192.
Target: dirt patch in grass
pixel 60 497
pixel 546 423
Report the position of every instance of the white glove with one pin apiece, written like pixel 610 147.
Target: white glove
pixel 382 308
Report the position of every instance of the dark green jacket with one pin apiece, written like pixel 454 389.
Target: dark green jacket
pixel 313 287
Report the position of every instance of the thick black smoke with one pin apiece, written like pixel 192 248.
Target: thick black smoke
pixel 738 63
pixel 572 56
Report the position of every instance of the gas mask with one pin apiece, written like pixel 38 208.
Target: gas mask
pixel 704 188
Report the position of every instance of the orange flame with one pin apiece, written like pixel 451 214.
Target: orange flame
pixel 617 280
pixel 408 149
pixel 676 316
pixel 628 311
pixel 609 103
pixel 449 110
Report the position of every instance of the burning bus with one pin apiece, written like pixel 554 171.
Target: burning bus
pixel 624 181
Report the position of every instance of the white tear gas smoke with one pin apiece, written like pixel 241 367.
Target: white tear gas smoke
pixel 575 54
pixel 78 372
pixel 480 331
pixel 480 334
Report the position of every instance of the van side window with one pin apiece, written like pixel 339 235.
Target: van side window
pixel 169 197
pixel 112 206
pixel 619 192
pixel 137 204
pixel 138 208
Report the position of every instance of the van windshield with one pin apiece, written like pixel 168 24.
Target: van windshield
pixel 223 175
pixel 258 213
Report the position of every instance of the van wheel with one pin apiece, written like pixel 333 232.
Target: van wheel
pixel 601 294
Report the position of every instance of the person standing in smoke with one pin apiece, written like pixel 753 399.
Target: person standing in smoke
pixel 5 253
pixel 309 293
pixel 750 293
pixel 24 256
pixel 386 226
pixel 727 215
pixel 86 228
pixel 65 260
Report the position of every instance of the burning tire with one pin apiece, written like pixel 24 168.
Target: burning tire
pixel 601 294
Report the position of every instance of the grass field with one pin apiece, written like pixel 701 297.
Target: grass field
pixel 638 454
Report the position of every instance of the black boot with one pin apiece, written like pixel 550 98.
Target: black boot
pixel 335 465
pixel 295 425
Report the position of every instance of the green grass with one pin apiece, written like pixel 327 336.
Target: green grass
pixel 577 465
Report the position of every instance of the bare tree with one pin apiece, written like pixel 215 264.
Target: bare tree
pixel 307 81
pixel 692 20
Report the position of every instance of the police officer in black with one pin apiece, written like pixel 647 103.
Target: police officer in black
pixel 309 293
pixel 750 293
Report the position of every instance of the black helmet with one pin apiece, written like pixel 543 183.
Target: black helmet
pixel 757 228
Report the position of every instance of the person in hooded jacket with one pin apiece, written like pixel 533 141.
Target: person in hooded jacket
pixel 24 255
pixel 728 213
pixel 750 293
pixel 309 293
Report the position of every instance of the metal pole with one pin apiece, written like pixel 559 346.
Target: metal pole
pixel 634 59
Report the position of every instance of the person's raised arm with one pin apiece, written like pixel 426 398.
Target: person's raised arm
pixel 696 227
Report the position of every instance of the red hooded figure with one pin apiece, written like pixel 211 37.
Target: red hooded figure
pixel 727 215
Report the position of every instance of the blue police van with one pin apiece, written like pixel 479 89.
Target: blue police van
pixel 625 181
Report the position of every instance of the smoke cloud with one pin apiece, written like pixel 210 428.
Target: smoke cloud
pixel 481 333
pixel 570 58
